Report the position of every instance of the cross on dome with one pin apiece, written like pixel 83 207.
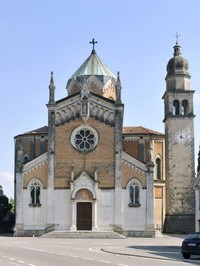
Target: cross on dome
pixel 177 35
pixel 93 42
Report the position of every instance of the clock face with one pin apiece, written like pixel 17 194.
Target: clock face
pixel 182 136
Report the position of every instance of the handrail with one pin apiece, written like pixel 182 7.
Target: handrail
pixel 49 227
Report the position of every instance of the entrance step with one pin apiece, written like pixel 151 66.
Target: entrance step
pixel 83 234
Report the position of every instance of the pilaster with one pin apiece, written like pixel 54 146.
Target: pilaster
pixel 118 166
pixel 150 197
pixel 19 201
pixel 51 154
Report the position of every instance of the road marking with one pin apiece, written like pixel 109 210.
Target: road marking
pixel 87 258
pixel 104 261
pixel 31 264
pixel 21 261
pixel 122 264
pixel 95 249
pixel 11 259
pixel 41 250
pixel 73 256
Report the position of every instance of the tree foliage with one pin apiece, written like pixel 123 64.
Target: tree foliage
pixel 5 208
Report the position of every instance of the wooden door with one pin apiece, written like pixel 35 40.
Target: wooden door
pixel 84 216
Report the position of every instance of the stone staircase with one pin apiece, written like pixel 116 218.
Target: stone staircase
pixel 83 234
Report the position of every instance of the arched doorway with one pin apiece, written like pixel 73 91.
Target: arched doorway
pixel 84 209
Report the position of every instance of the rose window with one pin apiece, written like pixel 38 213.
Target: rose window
pixel 84 138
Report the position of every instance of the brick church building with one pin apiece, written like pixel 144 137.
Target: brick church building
pixel 85 171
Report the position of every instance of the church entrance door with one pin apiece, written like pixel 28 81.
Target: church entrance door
pixel 84 216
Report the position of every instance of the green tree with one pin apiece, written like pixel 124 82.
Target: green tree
pixel 12 202
pixel 5 208
pixel 1 191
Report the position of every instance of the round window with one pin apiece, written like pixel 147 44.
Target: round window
pixel 84 138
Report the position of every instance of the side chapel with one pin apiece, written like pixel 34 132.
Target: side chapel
pixel 85 171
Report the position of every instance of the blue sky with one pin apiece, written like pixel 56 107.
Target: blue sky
pixel 134 37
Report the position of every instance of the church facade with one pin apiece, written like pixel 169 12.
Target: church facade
pixel 85 171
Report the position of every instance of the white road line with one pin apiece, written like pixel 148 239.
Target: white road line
pixel 73 256
pixel 21 261
pixel 11 259
pixel 87 258
pixel 41 250
pixel 122 264
pixel 104 261
pixel 95 249
pixel 31 264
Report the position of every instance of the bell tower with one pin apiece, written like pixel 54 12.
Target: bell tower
pixel 179 134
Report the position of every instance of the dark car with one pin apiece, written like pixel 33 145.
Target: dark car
pixel 191 245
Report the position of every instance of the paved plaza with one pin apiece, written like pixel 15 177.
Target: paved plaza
pixel 36 251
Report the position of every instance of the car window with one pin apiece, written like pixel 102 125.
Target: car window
pixel 194 236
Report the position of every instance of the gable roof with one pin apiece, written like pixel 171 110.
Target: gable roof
pixel 41 130
pixel 139 130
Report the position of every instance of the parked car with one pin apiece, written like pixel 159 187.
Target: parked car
pixel 191 245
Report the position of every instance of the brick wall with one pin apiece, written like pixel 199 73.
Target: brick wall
pixel 129 172
pixel 102 155
pixel 40 172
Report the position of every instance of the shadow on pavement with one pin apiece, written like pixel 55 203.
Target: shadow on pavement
pixel 166 253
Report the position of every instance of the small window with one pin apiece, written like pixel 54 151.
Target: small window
pixel 134 195
pixel 35 195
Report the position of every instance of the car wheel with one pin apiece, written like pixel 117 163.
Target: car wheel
pixel 186 255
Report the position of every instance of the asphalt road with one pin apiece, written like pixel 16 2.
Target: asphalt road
pixel 35 251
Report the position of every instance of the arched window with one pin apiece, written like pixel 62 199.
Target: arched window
pixel 35 194
pixel 157 174
pixel 176 107
pixel 184 107
pixel 134 194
